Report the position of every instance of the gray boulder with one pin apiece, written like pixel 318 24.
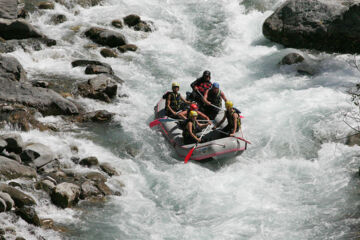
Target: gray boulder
pixel 102 87
pixel 8 9
pixel 88 189
pixel 331 26
pixel 8 200
pixel 47 101
pixel 85 63
pixel 105 37
pixel 3 144
pixel 65 195
pixel 28 214
pixel 58 18
pixel 14 142
pixel 89 161
pixel 117 23
pixel 135 22
pixel 97 69
pixel 95 176
pixel 292 58
pixel 100 116
pixel 10 169
pixel 2 205
pixel 11 69
pixel 46 5
pixel 18 29
pixel 45 185
pixel 107 52
pixel 37 153
pixel 127 47
pixel 110 170
pixel 21 199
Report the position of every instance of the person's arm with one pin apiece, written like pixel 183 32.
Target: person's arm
pixel 223 96
pixel 203 115
pixel 205 97
pixel 194 83
pixel 184 100
pixel 235 124
pixel 219 123
pixel 189 126
pixel 168 105
pixel 202 125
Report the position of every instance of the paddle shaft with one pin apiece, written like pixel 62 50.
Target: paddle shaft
pixel 193 148
pixel 210 103
pixel 233 136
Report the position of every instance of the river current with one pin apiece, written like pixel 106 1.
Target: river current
pixel 297 180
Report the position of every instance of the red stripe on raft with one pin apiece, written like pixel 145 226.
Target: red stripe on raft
pixel 215 154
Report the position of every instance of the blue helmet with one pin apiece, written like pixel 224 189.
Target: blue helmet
pixel 216 85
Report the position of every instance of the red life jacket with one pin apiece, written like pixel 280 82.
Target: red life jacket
pixel 202 87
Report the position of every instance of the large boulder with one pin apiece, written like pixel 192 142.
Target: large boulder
pixel 65 195
pixel 29 215
pixel 89 161
pixel 99 116
pixel 97 69
pixel 88 189
pixel 14 142
pixel 85 63
pixel 10 169
pixel 332 26
pixel 11 69
pixel 47 101
pixel 18 29
pixel 8 9
pixel 102 87
pixel 110 170
pixel 21 199
pixel 2 205
pixel 8 200
pixel 105 37
pixel 37 153
pixel 135 22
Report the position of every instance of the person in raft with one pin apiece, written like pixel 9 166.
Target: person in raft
pixel 194 107
pixel 233 119
pixel 199 87
pixel 191 128
pixel 175 102
pixel 213 100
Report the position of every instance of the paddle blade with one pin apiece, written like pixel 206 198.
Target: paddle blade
pixel 154 123
pixel 243 139
pixel 241 116
pixel 189 155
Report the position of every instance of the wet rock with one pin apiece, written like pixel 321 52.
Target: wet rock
pixel 45 185
pixel 106 52
pixel 12 156
pixel 11 69
pixel 95 176
pixel 105 37
pixel 75 160
pixel 89 161
pixel 74 149
pixel 29 215
pixel 102 87
pixel 3 144
pixel 37 153
pixel 292 58
pixel 143 26
pixel 117 23
pixel 8 9
pixel 11 169
pixel 42 84
pixel 20 238
pixel 110 170
pixel 46 5
pixel 18 29
pixel 2 231
pixel 323 25
pixel 21 199
pixel 22 13
pixel 53 166
pixel 83 3
pixel 65 195
pixel 131 20
pixel 58 18
pixel 128 47
pixel 100 116
pixel 85 63
pixel 8 200
pixel 353 140
pixel 14 142
pixel 25 120
pixel 28 45
pixel 88 189
pixel 47 223
pixel 104 188
pixel 47 101
pixel 2 205
pixel 96 69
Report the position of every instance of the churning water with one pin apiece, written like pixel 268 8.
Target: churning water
pixel 295 181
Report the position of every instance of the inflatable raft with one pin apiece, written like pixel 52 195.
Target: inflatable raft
pixel 215 148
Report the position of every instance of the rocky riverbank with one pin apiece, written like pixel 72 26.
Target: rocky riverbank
pixel 32 175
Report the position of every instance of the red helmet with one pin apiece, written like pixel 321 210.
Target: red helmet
pixel 193 107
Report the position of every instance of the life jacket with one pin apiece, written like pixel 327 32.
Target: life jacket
pixel 186 133
pixel 215 99
pixel 205 85
pixel 175 100
pixel 229 117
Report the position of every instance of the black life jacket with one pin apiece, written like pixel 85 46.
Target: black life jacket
pixel 186 133
pixel 175 100
pixel 215 99
pixel 229 117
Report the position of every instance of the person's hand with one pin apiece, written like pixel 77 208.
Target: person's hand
pixel 231 135
pixel 214 128
pixel 198 140
pixel 195 88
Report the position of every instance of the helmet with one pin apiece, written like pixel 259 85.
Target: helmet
pixel 229 104
pixel 194 107
pixel 206 73
pixel 193 114
pixel 216 85
pixel 175 84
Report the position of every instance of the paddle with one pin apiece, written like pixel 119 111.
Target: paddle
pixel 160 120
pixel 192 150
pixel 240 138
pixel 155 122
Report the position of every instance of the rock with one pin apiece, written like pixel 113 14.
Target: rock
pixel 11 69
pixel 131 20
pixel 95 176
pixel 18 29
pixel 105 37
pixel 128 47
pixel 53 166
pixel 97 69
pixel 2 205
pixel 46 5
pixel 29 215
pixel 21 199
pixel 24 120
pixel 20 238
pixel 14 142
pixel 58 18
pixel 65 195
pixel 42 84
pixel 2 231
pixel 74 149
pixel 47 101
pixel 11 169
pixel 85 63
pixel 22 13
pixel 330 26
pixel 107 168
pixel 88 189
pixel 292 58
pixel 12 156
pixel 117 23
pixel 75 160
pixel 8 9
pixel 102 87
pixel 3 144
pixel 47 223
pixel 8 200
pixel 104 188
pixel 143 26
pixel 45 185
pixel 106 52
pixel 97 116
pixel 83 3
pixel 37 153
pixel 89 161
pixel 353 140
